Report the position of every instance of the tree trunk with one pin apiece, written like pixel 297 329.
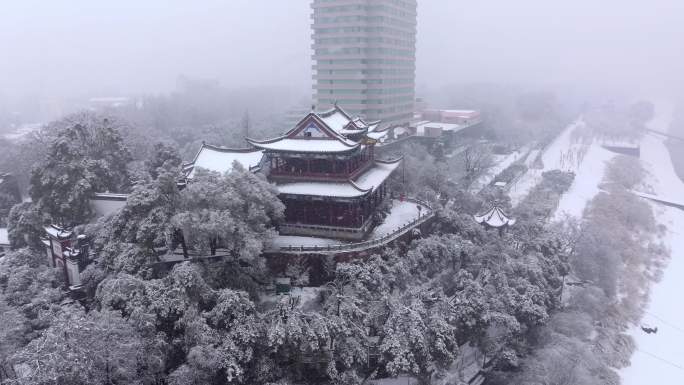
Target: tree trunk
pixel 184 247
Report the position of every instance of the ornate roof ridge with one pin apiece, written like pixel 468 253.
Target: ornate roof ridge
pixel 335 108
pixel 390 161
pixel 216 148
pixel 229 149
pixel 494 209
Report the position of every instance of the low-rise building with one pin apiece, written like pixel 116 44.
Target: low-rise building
pixel 460 117
pixel 68 252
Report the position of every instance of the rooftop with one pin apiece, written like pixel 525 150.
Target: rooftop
pixel 464 113
pixel 365 183
pixel 220 159
pixel 494 217
pixel 328 131
pixel 447 127
pixel 311 145
pixel 57 232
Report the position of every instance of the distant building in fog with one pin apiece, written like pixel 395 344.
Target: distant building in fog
pixel 109 102
pixel 461 117
pixel 365 57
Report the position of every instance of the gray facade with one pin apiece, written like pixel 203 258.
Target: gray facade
pixel 365 57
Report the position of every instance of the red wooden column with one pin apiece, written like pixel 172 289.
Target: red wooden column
pixel 331 213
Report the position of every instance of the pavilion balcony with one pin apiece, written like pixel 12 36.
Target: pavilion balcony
pixel 335 232
pixel 285 173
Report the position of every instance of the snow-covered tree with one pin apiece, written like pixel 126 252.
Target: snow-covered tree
pixel 80 348
pixel 127 240
pixel 418 337
pixel 86 156
pixel 163 153
pixel 25 226
pixel 234 211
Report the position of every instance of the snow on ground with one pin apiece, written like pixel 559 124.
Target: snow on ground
pixel 564 153
pixel 293 240
pixel 569 153
pixel 660 357
pixel 521 187
pixel 529 161
pixel 500 164
pixel 401 214
pixel 586 184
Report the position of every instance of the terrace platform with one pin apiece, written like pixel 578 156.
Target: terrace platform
pixel 403 217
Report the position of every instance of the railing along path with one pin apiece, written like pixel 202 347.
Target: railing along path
pixel 427 213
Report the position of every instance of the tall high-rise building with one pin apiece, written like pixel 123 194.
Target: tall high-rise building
pixel 365 57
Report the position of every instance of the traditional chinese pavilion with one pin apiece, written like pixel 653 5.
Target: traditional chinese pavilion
pixel 327 175
pixel 325 169
pixel 495 218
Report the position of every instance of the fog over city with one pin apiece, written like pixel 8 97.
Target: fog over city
pixel 76 47
pixel 341 192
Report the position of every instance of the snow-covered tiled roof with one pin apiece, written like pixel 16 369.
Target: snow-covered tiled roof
pixel 365 183
pixel 373 126
pixel 374 177
pixel 494 217
pixel 220 159
pixel 311 145
pixel 57 232
pixel 377 135
pixel 321 132
pixel 326 189
pixel 109 196
pixel 342 123
pixel 335 119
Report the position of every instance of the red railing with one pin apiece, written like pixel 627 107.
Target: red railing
pixel 279 173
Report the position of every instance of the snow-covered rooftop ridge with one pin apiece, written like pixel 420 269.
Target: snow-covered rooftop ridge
pixel 325 189
pixel 58 232
pixel 338 120
pixel 494 217
pixel 312 145
pixel 109 196
pixel 220 159
pixel 377 135
pixel 371 179
pixel 331 131
pixel 364 184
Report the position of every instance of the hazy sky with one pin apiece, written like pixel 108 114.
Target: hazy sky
pixel 108 47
